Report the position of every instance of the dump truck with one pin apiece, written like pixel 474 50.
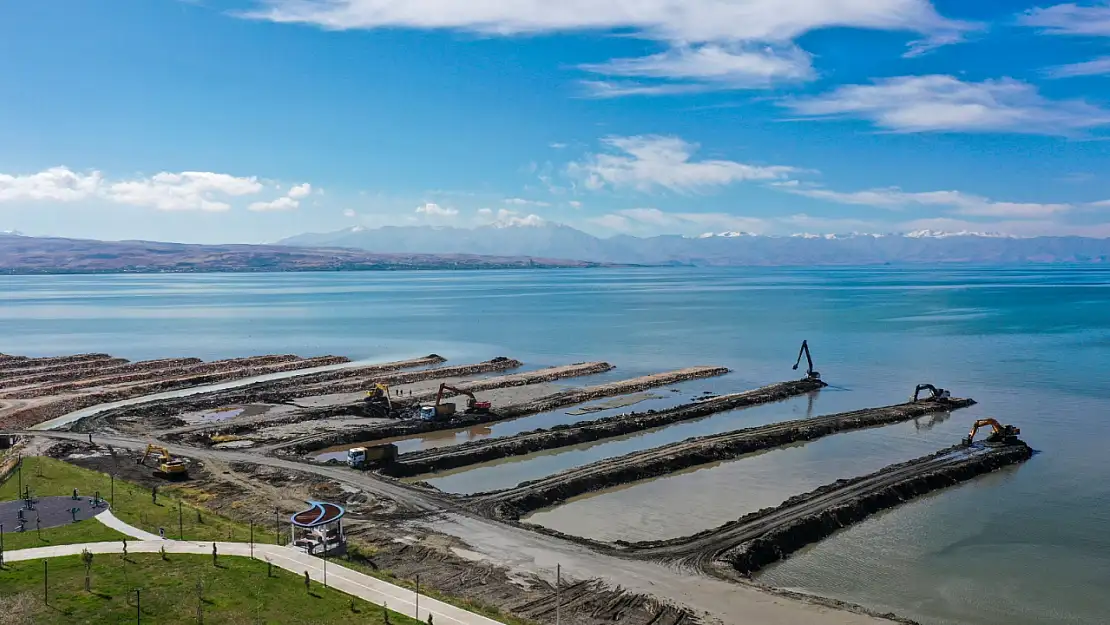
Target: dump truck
pixel 375 455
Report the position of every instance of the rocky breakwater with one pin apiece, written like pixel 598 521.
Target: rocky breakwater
pixel 528 497
pixel 868 495
pixel 466 454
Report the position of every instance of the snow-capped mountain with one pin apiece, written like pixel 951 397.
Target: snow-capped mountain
pixel 536 237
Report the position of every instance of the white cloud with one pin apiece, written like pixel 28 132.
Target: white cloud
pixel 505 217
pixel 946 104
pixel 523 202
pixel 280 204
pixel 485 212
pixel 649 162
pixel 300 191
pixel 713 42
pixel 717 65
pixel 557 146
pixel 165 191
pixel 575 204
pixel 435 210
pixel 58 184
pixel 1094 67
pixel 350 213
pixel 190 190
pixel 958 202
pixel 1070 19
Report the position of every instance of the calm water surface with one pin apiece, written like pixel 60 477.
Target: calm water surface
pixel 1018 547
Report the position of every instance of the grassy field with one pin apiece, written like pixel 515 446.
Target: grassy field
pixel 132 504
pixel 239 591
pixel 87 531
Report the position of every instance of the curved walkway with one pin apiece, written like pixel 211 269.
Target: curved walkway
pixel 293 560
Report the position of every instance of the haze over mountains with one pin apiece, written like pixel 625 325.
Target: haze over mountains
pixel 552 240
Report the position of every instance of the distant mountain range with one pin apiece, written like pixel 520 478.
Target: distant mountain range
pixel 33 255
pixel 551 240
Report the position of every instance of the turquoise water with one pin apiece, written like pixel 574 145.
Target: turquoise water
pixel 1031 344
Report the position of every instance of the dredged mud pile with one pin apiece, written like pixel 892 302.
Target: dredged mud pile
pixel 879 492
pixel 573 396
pixel 528 497
pixel 414 427
pixel 273 391
pixel 465 454
pixel 96 370
pixel 46 408
pixel 23 362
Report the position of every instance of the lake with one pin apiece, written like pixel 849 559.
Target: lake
pixel 1032 344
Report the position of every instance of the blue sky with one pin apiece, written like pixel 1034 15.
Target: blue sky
pixel 251 120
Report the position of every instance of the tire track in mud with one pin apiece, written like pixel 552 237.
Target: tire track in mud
pixel 527 497
pixel 466 454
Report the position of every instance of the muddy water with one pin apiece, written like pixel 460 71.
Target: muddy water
pixel 512 471
pixel 723 492
pixel 658 399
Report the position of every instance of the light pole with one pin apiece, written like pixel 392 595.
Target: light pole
pixel 558 591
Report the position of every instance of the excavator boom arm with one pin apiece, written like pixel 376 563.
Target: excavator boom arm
pixel 804 351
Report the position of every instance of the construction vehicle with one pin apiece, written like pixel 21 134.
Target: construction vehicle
pixel 376 455
pixel 1000 434
pixel 804 351
pixel 168 466
pixel 938 394
pixel 442 410
pixel 378 402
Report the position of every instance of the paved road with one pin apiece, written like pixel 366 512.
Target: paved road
pixel 293 560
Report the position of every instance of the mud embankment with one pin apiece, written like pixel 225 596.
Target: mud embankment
pixel 573 396
pixel 21 362
pixel 99 371
pixel 415 427
pixel 466 454
pixel 59 370
pixel 528 497
pixel 92 378
pixel 539 376
pixel 164 412
pixel 50 409
pixel 791 536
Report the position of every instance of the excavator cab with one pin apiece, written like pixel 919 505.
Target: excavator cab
pixel 804 351
pixel 938 394
pixel 168 466
pixel 1000 434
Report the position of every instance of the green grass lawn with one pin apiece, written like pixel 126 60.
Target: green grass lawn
pixel 87 531
pixel 133 505
pixel 238 591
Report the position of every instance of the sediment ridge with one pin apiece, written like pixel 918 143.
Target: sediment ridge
pixel 23 362
pixel 466 454
pixel 414 427
pixel 82 372
pixel 34 412
pixel 513 503
pixel 879 491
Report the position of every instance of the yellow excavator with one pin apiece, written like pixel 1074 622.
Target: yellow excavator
pixel 1000 434
pixel 168 466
